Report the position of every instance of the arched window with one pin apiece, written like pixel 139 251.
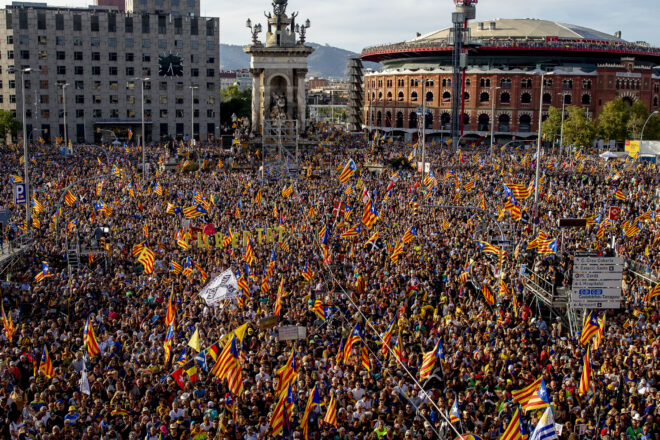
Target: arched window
pixel 399 120
pixel 373 118
pixel 655 101
pixel 618 84
pixel 379 118
pixel 525 123
pixel 483 121
pixel 466 119
pixel 466 96
pixel 446 97
pixel 445 121
pixel 400 97
pixel 467 82
pixel 389 96
pixel 413 97
pixel 428 120
pixel 388 119
pixel 568 99
pixel 373 96
pixel 503 123
pixel 586 99
pixel 380 96
pixel 526 98
pixel 505 98
pixel 412 120
pixel 429 96
pixel 484 97
pixel 547 98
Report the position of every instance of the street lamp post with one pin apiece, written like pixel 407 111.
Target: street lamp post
pixel 492 122
pixel 192 114
pixel 144 156
pixel 561 131
pixel 641 136
pixel 26 178
pixel 66 138
pixel 538 154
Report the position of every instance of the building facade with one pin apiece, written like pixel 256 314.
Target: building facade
pixel 503 78
pixel 106 57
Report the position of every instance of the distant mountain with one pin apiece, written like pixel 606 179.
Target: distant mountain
pixel 325 62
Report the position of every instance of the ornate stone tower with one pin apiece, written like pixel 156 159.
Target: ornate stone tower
pixel 278 68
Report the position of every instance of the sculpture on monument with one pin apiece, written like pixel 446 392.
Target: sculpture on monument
pixel 278 106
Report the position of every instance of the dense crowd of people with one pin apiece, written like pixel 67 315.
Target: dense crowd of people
pixel 314 268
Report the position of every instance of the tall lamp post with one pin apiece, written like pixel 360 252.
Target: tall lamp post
pixel 66 138
pixel 561 131
pixel 538 153
pixel 641 136
pixel 26 178
pixel 492 121
pixel 144 156
pixel 192 114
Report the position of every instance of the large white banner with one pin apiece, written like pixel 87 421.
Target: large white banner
pixel 221 288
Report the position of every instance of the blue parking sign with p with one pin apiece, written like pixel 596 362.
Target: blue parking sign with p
pixel 20 197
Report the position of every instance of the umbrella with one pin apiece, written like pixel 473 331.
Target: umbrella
pixel 209 229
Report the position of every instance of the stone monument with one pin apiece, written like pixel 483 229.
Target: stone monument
pixel 278 68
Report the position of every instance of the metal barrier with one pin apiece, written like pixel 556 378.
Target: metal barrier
pixel 642 271
pixel 16 246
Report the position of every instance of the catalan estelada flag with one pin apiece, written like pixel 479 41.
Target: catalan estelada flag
pixel 429 360
pixel 176 267
pixel 585 378
pixel 45 365
pixel 539 399
pixel 169 338
pixel 331 412
pixel 194 211
pixel 589 328
pixel 410 235
pixel 147 258
pixel 454 413
pixel 348 171
pixel 307 273
pixel 352 232
pixel 356 336
pixel 652 293
pixel 619 195
pixel 313 400
pixel 369 215
pixel 387 337
pixel 89 339
pixel 522 396
pixel 248 257
pixel 7 322
pixel 519 191
pixel 372 239
pixel 487 248
pixel 45 272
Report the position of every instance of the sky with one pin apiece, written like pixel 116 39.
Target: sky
pixel 355 24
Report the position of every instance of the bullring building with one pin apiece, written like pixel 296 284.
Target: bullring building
pixel 507 59
pixel 97 62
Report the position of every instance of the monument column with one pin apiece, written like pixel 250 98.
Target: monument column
pixel 302 102
pixel 256 97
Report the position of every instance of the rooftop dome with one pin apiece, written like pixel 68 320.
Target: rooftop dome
pixel 525 28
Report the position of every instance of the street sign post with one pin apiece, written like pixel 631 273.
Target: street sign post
pixel 597 282
pixel 20 197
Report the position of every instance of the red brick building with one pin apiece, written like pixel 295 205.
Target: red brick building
pixel 581 66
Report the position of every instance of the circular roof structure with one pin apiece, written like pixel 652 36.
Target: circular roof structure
pixel 525 28
pixel 519 37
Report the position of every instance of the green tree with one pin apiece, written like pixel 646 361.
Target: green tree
pixel 637 116
pixel 652 131
pixel 8 124
pixel 235 101
pixel 613 120
pixel 578 130
pixel 552 125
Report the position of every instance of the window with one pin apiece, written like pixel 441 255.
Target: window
pixel 112 42
pixel 79 85
pixel 399 97
pixel 96 70
pixel 162 86
pixel 129 43
pixel 194 72
pixel 113 85
pixel 130 85
pixel 22 19
pixel 146 43
pixel 484 97
pixel 43 99
pixel 130 113
pixel 130 71
pixel 503 123
pixel 194 26
pixel 526 83
pixel 78 70
pixel 586 99
pixel 95 42
pixel 130 100
pixel 446 82
pixel 97 85
pixel 112 22
pixel 484 82
pixel 97 113
pixel 429 96
pixel 77 41
pixel 112 56
pixel 163 113
pixel 567 84
pixel 568 99
pixel 114 113
pixel 25 54
pixel 586 84
pixel 145 23
pixel 45 113
pixel 194 44
pixel 446 97
pixel 210 73
pixel 178 44
pixel 525 123
pixel 413 83
pixel 388 83
pixel 59 22
pixel 655 101
pixel 505 98
pixel 112 70
pixel 210 29
pixel 505 83
pixel 114 99
pixel 547 83
pixel 466 96
pixel 179 113
pixel 547 98
pixel 77 23
pixel 389 96
pixel 60 55
pixel 80 113
pixel 94 23
pixel 413 96
pixel 163 99
pixel 61 70
pixel 162 24
pixel 42 40
pixel 43 84
pixel 128 25
pixel 210 45
pixel 41 20
pixel 178 26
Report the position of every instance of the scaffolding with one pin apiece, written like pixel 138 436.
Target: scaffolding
pixel 279 148
pixel 355 94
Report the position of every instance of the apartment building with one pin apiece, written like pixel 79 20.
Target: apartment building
pixel 99 61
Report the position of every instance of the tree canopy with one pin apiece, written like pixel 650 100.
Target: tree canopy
pixel 8 124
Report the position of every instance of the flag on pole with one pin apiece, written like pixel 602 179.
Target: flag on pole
pixel 545 428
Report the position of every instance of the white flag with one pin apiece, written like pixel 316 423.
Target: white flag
pixel 545 429
pixel 84 382
pixel 222 288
